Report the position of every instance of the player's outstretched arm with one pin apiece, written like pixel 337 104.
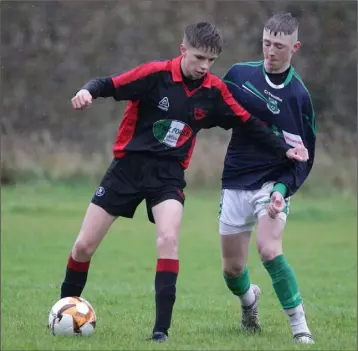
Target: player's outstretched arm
pixel 131 85
pixel 261 134
pixel 99 87
pixel 231 114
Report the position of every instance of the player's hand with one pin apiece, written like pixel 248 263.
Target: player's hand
pixel 298 153
pixel 81 100
pixel 277 204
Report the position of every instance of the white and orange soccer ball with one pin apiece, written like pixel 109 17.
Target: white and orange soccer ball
pixel 72 316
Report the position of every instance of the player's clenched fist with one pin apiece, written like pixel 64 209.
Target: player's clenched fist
pixel 299 153
pixel 82 99
pixel 277 204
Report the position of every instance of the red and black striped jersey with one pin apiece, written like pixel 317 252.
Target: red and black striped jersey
pixel 163 116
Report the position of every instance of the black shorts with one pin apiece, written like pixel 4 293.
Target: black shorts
pixel 137 177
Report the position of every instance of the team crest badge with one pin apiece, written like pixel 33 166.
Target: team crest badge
pixel 272 106
pixel 199 113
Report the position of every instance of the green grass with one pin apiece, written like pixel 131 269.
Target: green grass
pixel 40 223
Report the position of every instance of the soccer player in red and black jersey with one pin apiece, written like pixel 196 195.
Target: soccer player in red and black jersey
pixel 169 103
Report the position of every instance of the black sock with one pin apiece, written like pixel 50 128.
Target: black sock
pixel 75 279
pixel 165 289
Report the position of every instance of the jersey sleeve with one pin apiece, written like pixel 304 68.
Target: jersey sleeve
pixel 231 114
pixel 296 175
pixel 131 85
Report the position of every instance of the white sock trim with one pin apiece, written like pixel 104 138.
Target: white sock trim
pixel 248 298
pixel 297 320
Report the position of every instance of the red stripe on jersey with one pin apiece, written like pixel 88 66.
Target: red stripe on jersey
pixel 140 72
pixel 186 162
pixel 229 99
pixel 126 129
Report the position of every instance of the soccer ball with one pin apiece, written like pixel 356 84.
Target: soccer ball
pixel 72 316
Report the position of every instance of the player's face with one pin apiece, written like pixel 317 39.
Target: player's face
pixel 278 50
pixel 196 63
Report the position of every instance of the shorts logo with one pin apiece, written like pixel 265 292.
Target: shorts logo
pixel 100 191
pixel 172 132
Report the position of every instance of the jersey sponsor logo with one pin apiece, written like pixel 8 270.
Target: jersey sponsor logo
pixel 292 139
pixel 273 96
pixel 164 104
pixel 199 113
pixel 172 132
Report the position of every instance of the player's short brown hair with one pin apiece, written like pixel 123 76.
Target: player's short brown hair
pixel 205 36
pixel 282 23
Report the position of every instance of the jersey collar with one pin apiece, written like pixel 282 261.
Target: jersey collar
pixel 177 77
pixel 284 84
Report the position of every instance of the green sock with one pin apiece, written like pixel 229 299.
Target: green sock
pixel 239 285
pixel 284 282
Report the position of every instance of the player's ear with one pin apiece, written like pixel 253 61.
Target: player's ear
pixel 183 49
pixel 297 46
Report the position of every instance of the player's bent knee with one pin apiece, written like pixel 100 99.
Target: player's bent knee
pixel 232 270
pixel 83 250
pixel 167 245
pixel 268 253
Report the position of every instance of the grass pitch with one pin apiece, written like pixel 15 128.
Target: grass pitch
pixel 40 223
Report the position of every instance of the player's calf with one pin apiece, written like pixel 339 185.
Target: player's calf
pixel 249 297
pixel 94 227
pixel 286 287
pixel 75 278
pixel 165 293
pixel 167 215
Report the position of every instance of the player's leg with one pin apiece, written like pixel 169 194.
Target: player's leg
pixel 236 222
pixel 165 203
pixel 107 203
pixel 167 216
pixel 269 245
pixel 94 227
